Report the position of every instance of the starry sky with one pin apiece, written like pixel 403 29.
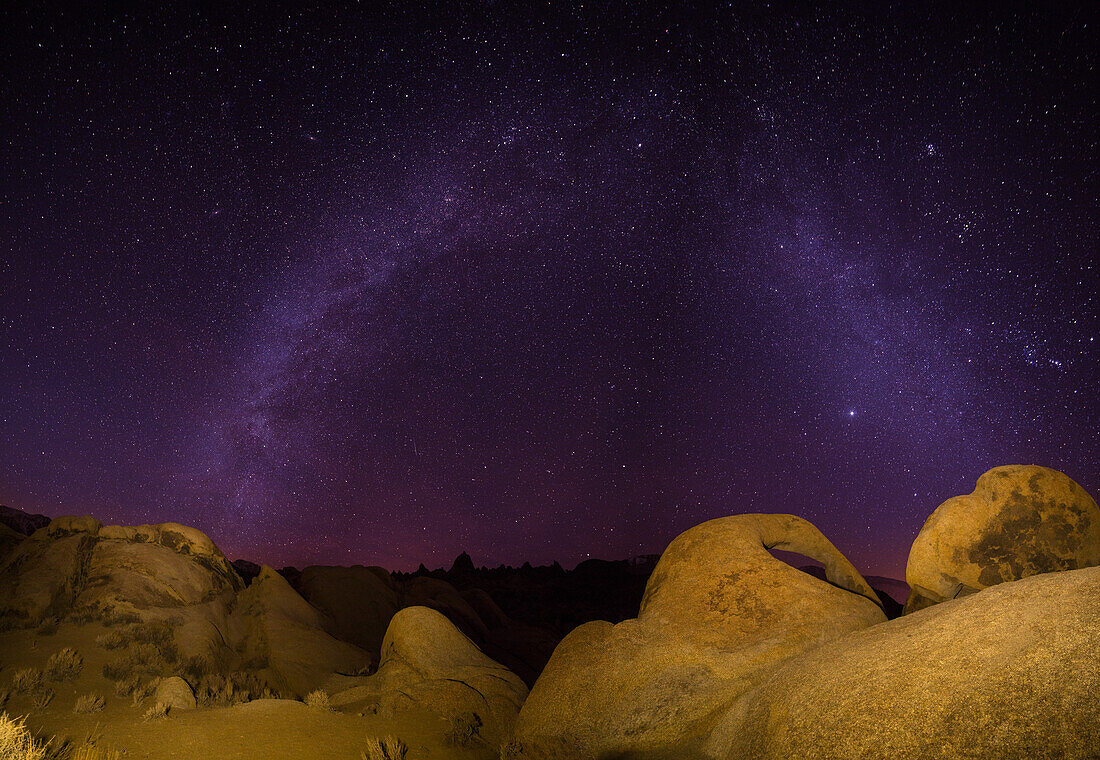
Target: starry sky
pixel 542 281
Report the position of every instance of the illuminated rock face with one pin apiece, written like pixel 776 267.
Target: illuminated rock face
pixel 429 665
pixel 1008 672
pixel 1020 520
pixel 718 613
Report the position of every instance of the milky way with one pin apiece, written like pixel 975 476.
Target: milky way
pixel 381 286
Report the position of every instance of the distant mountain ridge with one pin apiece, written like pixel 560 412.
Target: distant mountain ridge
pixel 22 522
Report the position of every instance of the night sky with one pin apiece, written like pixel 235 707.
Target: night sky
pixel 546 281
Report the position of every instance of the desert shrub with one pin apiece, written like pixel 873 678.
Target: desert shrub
pixel 156 712
pixel 387 748
pixel 114 617
pixel 26 680
pixel 41 697
pixel 86 615
pixel 120 668
pixel 126 686
pixel 89 703
pixel 510 750
pixel 143 691
pixel 159 635
pixel 48 627
pixel 110 640
pixel 216 690
pixel 64 665
pixel 149 658
pixel 464 729
pixel 16 742
pixel 318 699
pixel 194 668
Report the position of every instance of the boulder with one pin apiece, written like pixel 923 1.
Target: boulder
pixel 176 693
pixel 41 576
pixel 1020 520
pixel 274 626
pixel 135 568
pixel 1008 672
pixel 69 525
pixel 429 665
pixel 718 613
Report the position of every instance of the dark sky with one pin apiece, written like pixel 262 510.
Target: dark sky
pixel 543 281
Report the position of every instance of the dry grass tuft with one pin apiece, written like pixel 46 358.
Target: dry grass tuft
pixel 388 748
pixel 16 742
pixel 143 691
pixel 89 703
pixel 26 680
pixel 64 665
pixel 110 640
pixel 128 685
pixel 120 669
pixel 41 698
pixel 93 752
pixel 91 749
pixel 156 712
pixel 318 699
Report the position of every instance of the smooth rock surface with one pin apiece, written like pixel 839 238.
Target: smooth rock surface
pixel 1020 520
pixel 1010 673
pixel 719 611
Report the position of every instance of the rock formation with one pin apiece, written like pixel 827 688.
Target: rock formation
pixel 1009 672
pixel 276 627
pixel 429 665
pixel 718 612
pixel 1020 520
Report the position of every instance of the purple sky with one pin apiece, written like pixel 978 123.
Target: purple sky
pixel 380 286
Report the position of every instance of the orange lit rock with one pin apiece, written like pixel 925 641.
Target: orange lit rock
pixel 1020 520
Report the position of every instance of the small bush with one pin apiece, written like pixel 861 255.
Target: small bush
pixel 318 699
pixel 16 742
pixel 194 668
pixel 156 712
pixel 128 685
pixel 388 748
pixel 64 665
pixel 26 680
pixel 160 636
pixel 122 668
pixel 89 703
pixel 143 691
pixel 110 640
pixel 114 617
pixel 42 697
pixel 464 729
pixel 86 615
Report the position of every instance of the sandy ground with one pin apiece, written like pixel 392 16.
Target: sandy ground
pixel 266 729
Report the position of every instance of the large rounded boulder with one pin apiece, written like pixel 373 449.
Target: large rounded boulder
pixel 1020 520
pixel 718 613
pixel 1010 672
pixel 428 665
